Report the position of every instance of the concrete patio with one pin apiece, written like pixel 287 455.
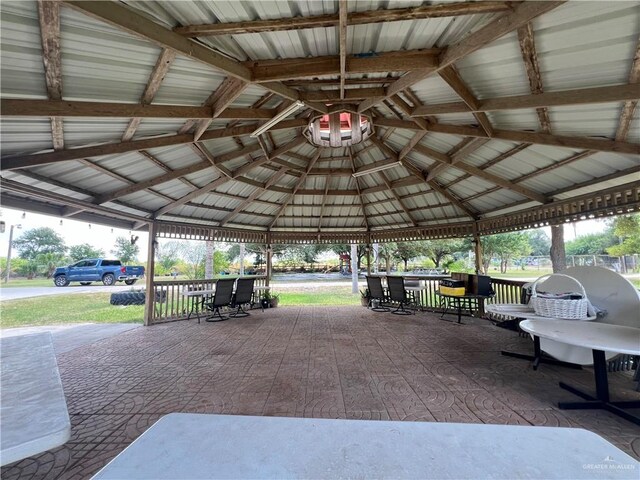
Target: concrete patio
pixel 344 362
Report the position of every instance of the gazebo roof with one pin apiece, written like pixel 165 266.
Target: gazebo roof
pixel 490 116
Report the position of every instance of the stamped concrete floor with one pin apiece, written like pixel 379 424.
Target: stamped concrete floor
pixel 344 362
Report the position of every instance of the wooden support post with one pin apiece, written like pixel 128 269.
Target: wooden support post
pixel 269 266
pixel 209 270
pixel 376 259
pixel 368 259
pixel 558 256
pixel 354 268
pixel 242 251
pixel 150 297
pixel 477 247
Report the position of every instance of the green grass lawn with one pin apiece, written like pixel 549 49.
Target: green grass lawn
pixel 61 309
pixel 23 282
pixel 319 296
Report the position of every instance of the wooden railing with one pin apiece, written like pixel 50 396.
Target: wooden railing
pixel 507 291
pixel 171 303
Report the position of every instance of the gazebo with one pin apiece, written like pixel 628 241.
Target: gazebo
pixel 332 122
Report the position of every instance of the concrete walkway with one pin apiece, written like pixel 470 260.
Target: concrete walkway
pixel 70 337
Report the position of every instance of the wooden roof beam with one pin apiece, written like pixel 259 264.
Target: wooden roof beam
pixel 530 58
pixel 582 143
pixel 522 13
pixel 296 68
pixel 224 96
pixel 342 35
pixel 581 96
pixel 22 161
pixel 354 18
pixel 65 108
pixel 49 19
pixel 390 188
pixel 450 75
pixel 160 70
pixel 626 114
pixel 334 95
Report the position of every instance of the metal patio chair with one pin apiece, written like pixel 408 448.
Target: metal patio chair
pixel 376 292
pixel 242 296
pixel 222 298
pixel 399 295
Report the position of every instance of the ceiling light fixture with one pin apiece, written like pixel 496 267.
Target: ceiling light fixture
pixel 294 107
pixel 376 167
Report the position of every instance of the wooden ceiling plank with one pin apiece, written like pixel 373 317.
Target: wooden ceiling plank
pixel 522 13
pixel 629 107
pixel 530 59
pixel 49 20
pixel 342 34
pixel 160 70
pixel 354 18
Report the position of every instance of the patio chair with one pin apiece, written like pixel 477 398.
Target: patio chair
pixel 399 295
pixel 376 292
pixel 222 298
pixel 243 296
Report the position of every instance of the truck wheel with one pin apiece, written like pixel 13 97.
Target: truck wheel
pixel 109 279
pixel 130 282
pixel 61 281
pixel 85 283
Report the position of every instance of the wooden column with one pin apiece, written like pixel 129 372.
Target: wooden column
pixel 557 253
pixel 209 270
pixel 269 260
pixel 354 268
pixel 376 260
pixel 150 297
pixel 242 251
pixel 477 249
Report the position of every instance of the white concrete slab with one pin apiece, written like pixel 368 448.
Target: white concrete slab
pixel 226 446
pixel 33 410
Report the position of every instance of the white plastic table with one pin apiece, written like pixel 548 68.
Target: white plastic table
pixel 196 297
pixel 33 411
pixel 600 338
pixel 198 446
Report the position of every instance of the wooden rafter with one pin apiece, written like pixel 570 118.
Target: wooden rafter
pixel 271 181
pixel 190 196
pixel 334 95
pixel 530 58
pixel 297 68
pixel 173 175
pixel 583 143
pixel 354 18
pixel 522 13
pixel 406 109
pixel 390 188
pixel 581 96
pixel 165 59
pixel 22 161
pixel 342 35
pixel 358 188
pixel 45 108
pixel 127 19
pixel 629 107
pixel 49 18
pixel 224 96
pixel 324 202
pixel 299 183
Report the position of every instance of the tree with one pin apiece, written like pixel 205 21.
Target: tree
pixel 167 255
pixel 126 251
pixel 47 263
pixel 84 250
pixel 407 251
pixel 38 241
pixel 627 229
pixel 505 246
pixel 592 244
pixel 539 241
pixel 437 250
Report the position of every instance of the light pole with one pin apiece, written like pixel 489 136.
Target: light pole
pixel 6 279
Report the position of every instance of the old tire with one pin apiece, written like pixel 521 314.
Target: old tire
pixel 127 298
pixel 85 283
pixel 130 282
pixel 61 281
pixel 108 279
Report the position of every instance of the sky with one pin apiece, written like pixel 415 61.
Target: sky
pixel 100 236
